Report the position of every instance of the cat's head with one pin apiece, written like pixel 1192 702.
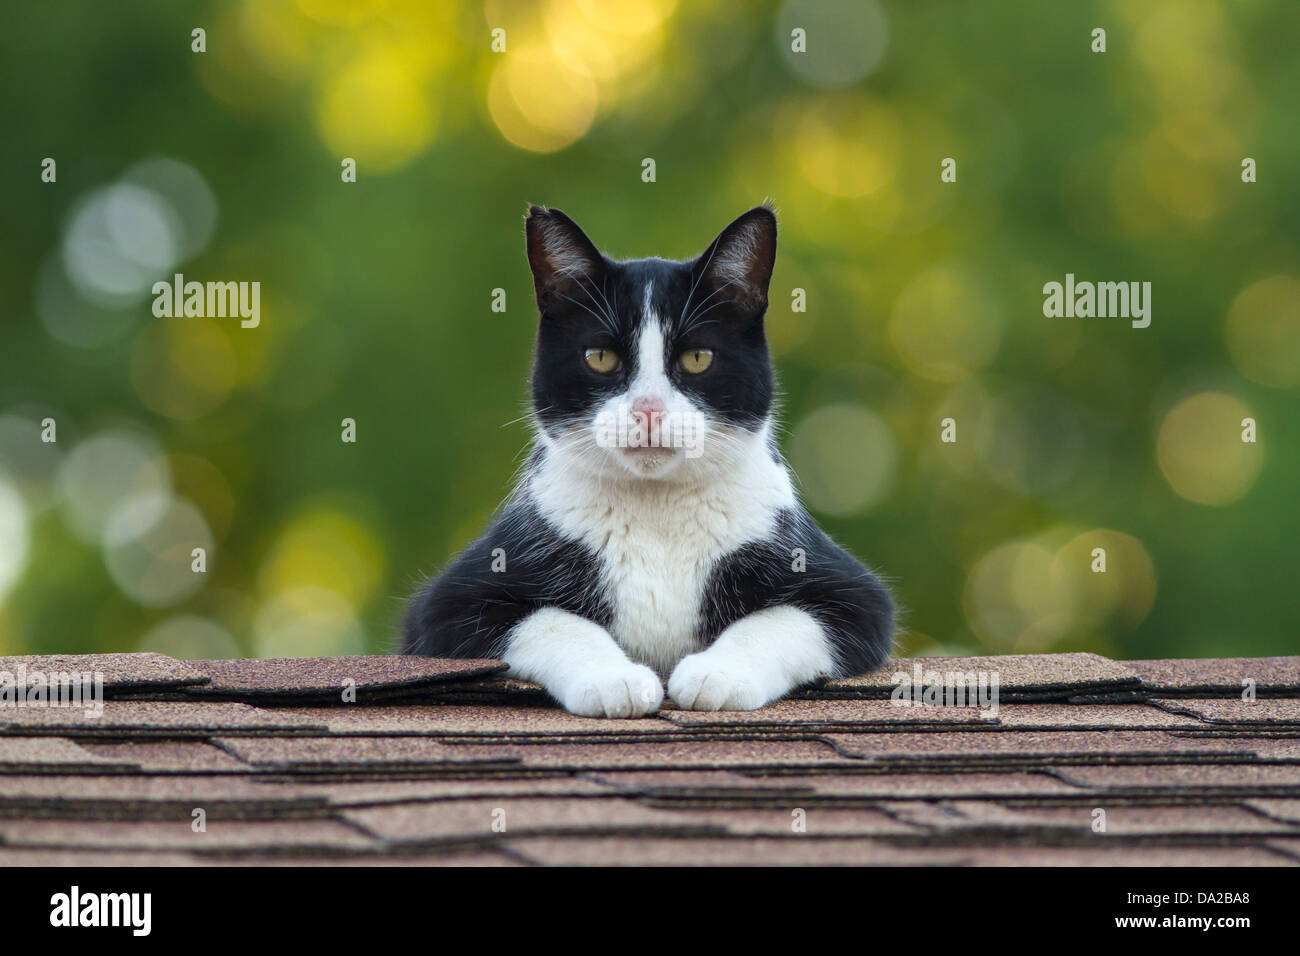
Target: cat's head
pixel 649 368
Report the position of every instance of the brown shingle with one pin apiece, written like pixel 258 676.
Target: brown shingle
pixel 667 755
pixel 1037 675
pixel 1263 711
pixel 725 851
pixel 821 714
pixel 1119 820
pixel 25 753
pixel 473 721
pixel 794 819
pixel 152 718
pixel 46 856
pixel 1279 808
pixel 1092 716
pixel 1038 747
pixel 912 786
pixel 495 690
pixel 1196 779
pixel 1219 676
pixel 449 856
pixel 157 756
pixel 360 793
pixel 1143 855
pixel 701 783
pixel 328 678
pixel 412 772
pixel 481 819
pixel 150 796
pixel 344 753
pixel 119 672
pixel 248 835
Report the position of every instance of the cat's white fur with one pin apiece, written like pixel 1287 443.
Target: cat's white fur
pixel 731 260
pixel 658 538
pixel 565 258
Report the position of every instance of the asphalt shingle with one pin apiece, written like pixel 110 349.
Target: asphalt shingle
pixel 339 680
pixel 451 763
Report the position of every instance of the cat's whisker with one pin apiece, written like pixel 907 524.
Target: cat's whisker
pixel 603 305
pixel 703 269
pixel 603 320
pixel 690 322
pixel 698 318
pixel 607 318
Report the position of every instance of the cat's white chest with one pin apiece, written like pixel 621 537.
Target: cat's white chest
pixel 655 575
pixel 658 545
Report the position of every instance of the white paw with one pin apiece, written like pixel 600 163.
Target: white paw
pixel 700 682
pixel 627 690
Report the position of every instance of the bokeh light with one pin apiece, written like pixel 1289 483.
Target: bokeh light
pixel 119 239
pixel 1122 595
pixel 1201 452
pixel 106 470
pixel 377 111
pixel 846 39
pixel 325 548
pixel 28 462
pixel 1013 601
pixel 847 147
pixel 307 622
pixel 14 536
pixel 149 548
pixel 845 457
pixel 191 205
pixel 946 323
pixel 184 370
pixel 1263 331
pixel 69 318
pixel 190 638
pixel 539 102
pixel 1032 594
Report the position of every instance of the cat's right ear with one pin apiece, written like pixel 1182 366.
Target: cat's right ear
pixel 561 256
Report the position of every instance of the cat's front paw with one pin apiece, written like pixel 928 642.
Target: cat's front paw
pixel 628 690
pixel 703 682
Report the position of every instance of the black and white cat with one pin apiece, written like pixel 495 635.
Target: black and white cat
pixel 655 532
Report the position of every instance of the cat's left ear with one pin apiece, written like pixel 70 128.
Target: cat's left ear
pixel 561 256
pixel 740 260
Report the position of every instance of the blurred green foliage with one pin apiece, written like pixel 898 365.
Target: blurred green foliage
pixel 924 299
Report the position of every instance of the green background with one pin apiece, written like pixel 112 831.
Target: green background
pixel 924 300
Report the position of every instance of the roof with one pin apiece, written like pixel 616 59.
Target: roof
pixel 449 762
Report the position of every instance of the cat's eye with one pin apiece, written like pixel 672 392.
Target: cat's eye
pixel 602 360
pixel 696 361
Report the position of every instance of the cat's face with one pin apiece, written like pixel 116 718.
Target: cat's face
pixel 648 368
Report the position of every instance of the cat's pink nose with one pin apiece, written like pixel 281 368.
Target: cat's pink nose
pixel 648 412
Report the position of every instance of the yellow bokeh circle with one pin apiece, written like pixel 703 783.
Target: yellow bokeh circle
pixel 946 323
pixel 538 101
pixel 1201 451
pixel 377 111
pixel 1263 331
pixel 845 456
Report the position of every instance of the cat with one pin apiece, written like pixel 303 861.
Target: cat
pixel 655 532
